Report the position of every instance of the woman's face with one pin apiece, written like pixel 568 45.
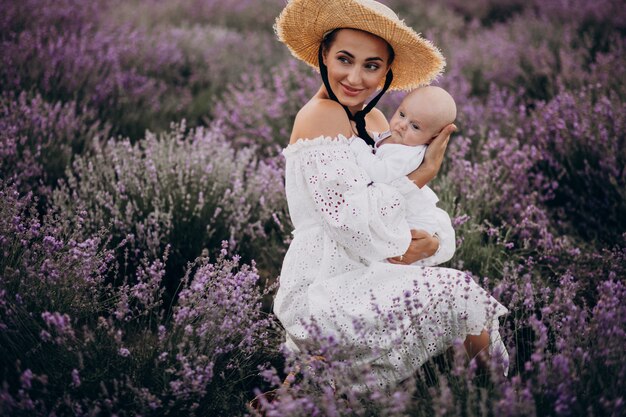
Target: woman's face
pixel 357 63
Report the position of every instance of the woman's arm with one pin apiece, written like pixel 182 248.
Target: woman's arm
pixel 433 158
pixel 375 232
pixel 367 219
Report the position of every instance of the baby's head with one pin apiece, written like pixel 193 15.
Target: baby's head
pixel 422 114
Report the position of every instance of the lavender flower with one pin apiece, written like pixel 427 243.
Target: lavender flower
pixel 120 274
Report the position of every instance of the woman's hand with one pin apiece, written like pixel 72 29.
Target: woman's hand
pixel 422 246
pixel 433 158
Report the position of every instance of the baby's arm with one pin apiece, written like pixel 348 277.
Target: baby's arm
pixel 392 166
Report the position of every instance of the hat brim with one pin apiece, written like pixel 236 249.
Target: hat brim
pixel 303 23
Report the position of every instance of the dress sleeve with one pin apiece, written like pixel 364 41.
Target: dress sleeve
pixel 366 218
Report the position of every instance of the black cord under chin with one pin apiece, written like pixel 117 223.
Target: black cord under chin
pixel 359 117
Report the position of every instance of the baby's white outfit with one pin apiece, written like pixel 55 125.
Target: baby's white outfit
pixel 390 162
pixel 335 269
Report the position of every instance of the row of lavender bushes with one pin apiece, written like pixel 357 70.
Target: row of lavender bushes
pixel 117 295
pixel 82 336
pixel 134 75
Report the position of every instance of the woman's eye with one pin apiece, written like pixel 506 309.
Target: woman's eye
pixel 344 60
pixel 372 67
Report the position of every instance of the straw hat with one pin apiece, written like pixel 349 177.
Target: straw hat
pixel 303 23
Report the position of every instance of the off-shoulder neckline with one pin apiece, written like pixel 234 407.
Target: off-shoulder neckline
pixel 302 143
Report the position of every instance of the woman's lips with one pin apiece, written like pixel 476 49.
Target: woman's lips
pixel 352 92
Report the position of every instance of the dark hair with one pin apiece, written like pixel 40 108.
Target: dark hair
pixel 330 37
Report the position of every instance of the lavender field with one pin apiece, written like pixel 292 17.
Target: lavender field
pixel 143 219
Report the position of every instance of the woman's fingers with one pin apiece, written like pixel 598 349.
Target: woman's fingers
pixel 397 260
pixel 419 248
pixel 437 148
pixel 419 234
pixel 422 245
pixel 445 133
pixel 433 158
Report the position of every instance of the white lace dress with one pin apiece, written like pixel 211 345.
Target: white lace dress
pixel 334 271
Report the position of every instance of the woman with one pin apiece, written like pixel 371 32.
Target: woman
pixel 345 225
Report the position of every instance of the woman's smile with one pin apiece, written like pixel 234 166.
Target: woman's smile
pixel 349 91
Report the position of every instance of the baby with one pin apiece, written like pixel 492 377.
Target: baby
pixel 422 114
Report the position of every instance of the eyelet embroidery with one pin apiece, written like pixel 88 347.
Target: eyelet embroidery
pixel 334 271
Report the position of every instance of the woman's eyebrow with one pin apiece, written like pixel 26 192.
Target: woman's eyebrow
pixel 375 58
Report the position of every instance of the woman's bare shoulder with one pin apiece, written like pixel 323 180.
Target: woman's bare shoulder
pixel 376 121
pixel 320 117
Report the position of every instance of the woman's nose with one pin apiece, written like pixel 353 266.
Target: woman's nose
pixel 354 76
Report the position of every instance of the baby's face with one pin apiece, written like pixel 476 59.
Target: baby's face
pixel 419 118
